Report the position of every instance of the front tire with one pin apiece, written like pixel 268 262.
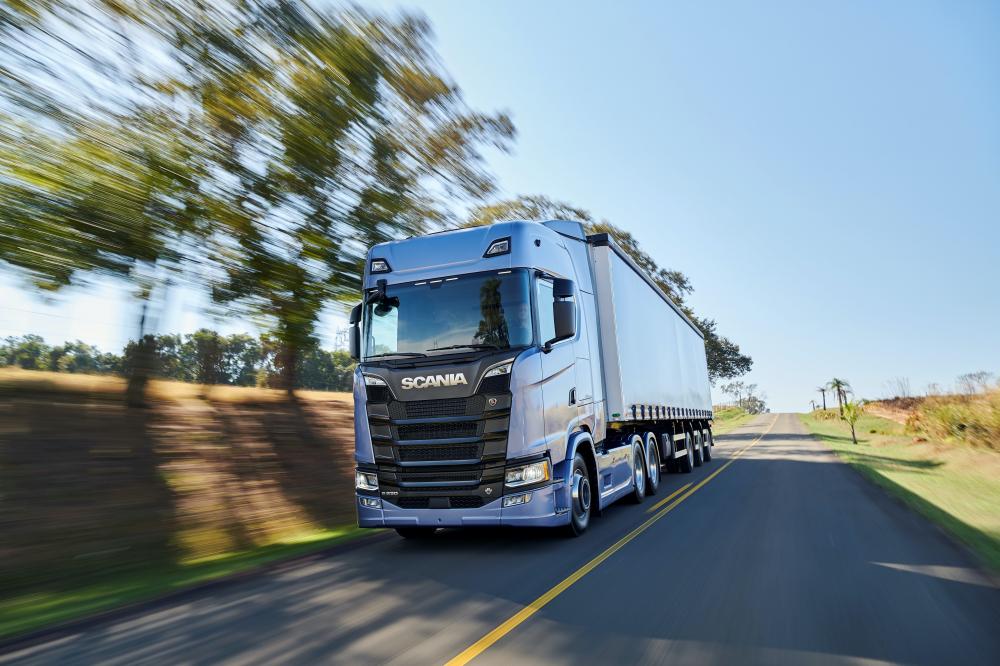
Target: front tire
pixel 581 497
pixel 416 532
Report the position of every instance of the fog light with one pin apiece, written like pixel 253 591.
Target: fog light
pixel 516 500
pixel 371 502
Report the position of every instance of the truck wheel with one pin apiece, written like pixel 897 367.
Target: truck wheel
pixel 580 497
pixel 416 532
pixel 653 468
pixel 698 449
pixel 671 464
pixel 687 462
pixel 638 472
pixel 706 445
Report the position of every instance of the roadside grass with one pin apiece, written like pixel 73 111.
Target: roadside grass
pixel 955 485
pixel 32 610
pixel 728 419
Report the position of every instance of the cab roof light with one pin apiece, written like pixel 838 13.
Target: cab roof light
pixel 498 247
pixel 380 266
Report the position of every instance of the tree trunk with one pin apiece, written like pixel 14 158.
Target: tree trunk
pixel 289 368
pixel 854 437
pixel 840 403
pixel 824 400
pixel 142 364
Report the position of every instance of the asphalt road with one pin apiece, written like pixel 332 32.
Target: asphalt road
pixel 784 556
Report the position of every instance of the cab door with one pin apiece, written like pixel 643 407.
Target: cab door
pixel 559 391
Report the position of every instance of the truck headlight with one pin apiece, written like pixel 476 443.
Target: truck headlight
pixel 373 380
pixel 500 370
pixel 523 475
pixel 365 480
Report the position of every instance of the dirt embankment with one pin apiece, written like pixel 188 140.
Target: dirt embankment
pixel 87 484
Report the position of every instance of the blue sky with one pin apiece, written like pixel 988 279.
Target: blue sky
pixel 827 174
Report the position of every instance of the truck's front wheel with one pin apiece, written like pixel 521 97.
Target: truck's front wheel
pixel 581 497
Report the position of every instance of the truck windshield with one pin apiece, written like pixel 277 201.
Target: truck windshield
pixel 481 311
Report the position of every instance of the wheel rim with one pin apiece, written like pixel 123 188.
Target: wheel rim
pixel 581 495
pixel 640 473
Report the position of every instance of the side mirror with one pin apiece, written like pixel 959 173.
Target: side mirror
pixel 563 311
pixel 355 343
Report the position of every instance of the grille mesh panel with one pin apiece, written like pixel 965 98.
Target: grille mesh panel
pixel 428 453
pixel 438 430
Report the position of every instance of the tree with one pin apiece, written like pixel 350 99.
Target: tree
pixel 822 391
pixel 974 382
pixel 359 134
pixel 852 411
pixel 840 387
pixel 725 360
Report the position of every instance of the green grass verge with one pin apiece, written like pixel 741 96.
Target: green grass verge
pixel 25 612
pixel 955 486
pixel 728 419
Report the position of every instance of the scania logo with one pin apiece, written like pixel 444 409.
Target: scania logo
pixel 430 381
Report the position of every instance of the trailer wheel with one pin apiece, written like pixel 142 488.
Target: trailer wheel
pixel 580 497
pixel 416 532
pixel 653 468
pixel 668 449
pixel 706 445
pixel 698 449
pixel 686 463
pixel 638 471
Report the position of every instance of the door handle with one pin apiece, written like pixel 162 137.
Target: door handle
pixel 572 396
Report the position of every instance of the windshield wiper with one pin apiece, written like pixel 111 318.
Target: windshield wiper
pixel 471 346
pixel 383 355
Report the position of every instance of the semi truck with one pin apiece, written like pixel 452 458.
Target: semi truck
pixel 518 374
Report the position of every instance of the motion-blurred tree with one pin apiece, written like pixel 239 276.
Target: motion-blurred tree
pixel 725 360
pixel 292 137
pixel 339 130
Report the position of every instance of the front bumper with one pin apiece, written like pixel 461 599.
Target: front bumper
pixel 548 508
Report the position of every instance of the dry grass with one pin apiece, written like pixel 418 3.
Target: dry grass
pixel 968 419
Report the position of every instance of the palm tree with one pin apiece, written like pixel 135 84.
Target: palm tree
pixel 853 412
pixel 840 387
pixel 822 390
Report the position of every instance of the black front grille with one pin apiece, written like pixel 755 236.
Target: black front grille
pixel 455 502
pixel 438 430
pixel 429 453
pixel 441 451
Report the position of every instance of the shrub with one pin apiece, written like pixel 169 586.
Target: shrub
pixel 969 418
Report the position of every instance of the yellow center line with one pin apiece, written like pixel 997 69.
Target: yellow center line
pixel 668 498
pixel 477 648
